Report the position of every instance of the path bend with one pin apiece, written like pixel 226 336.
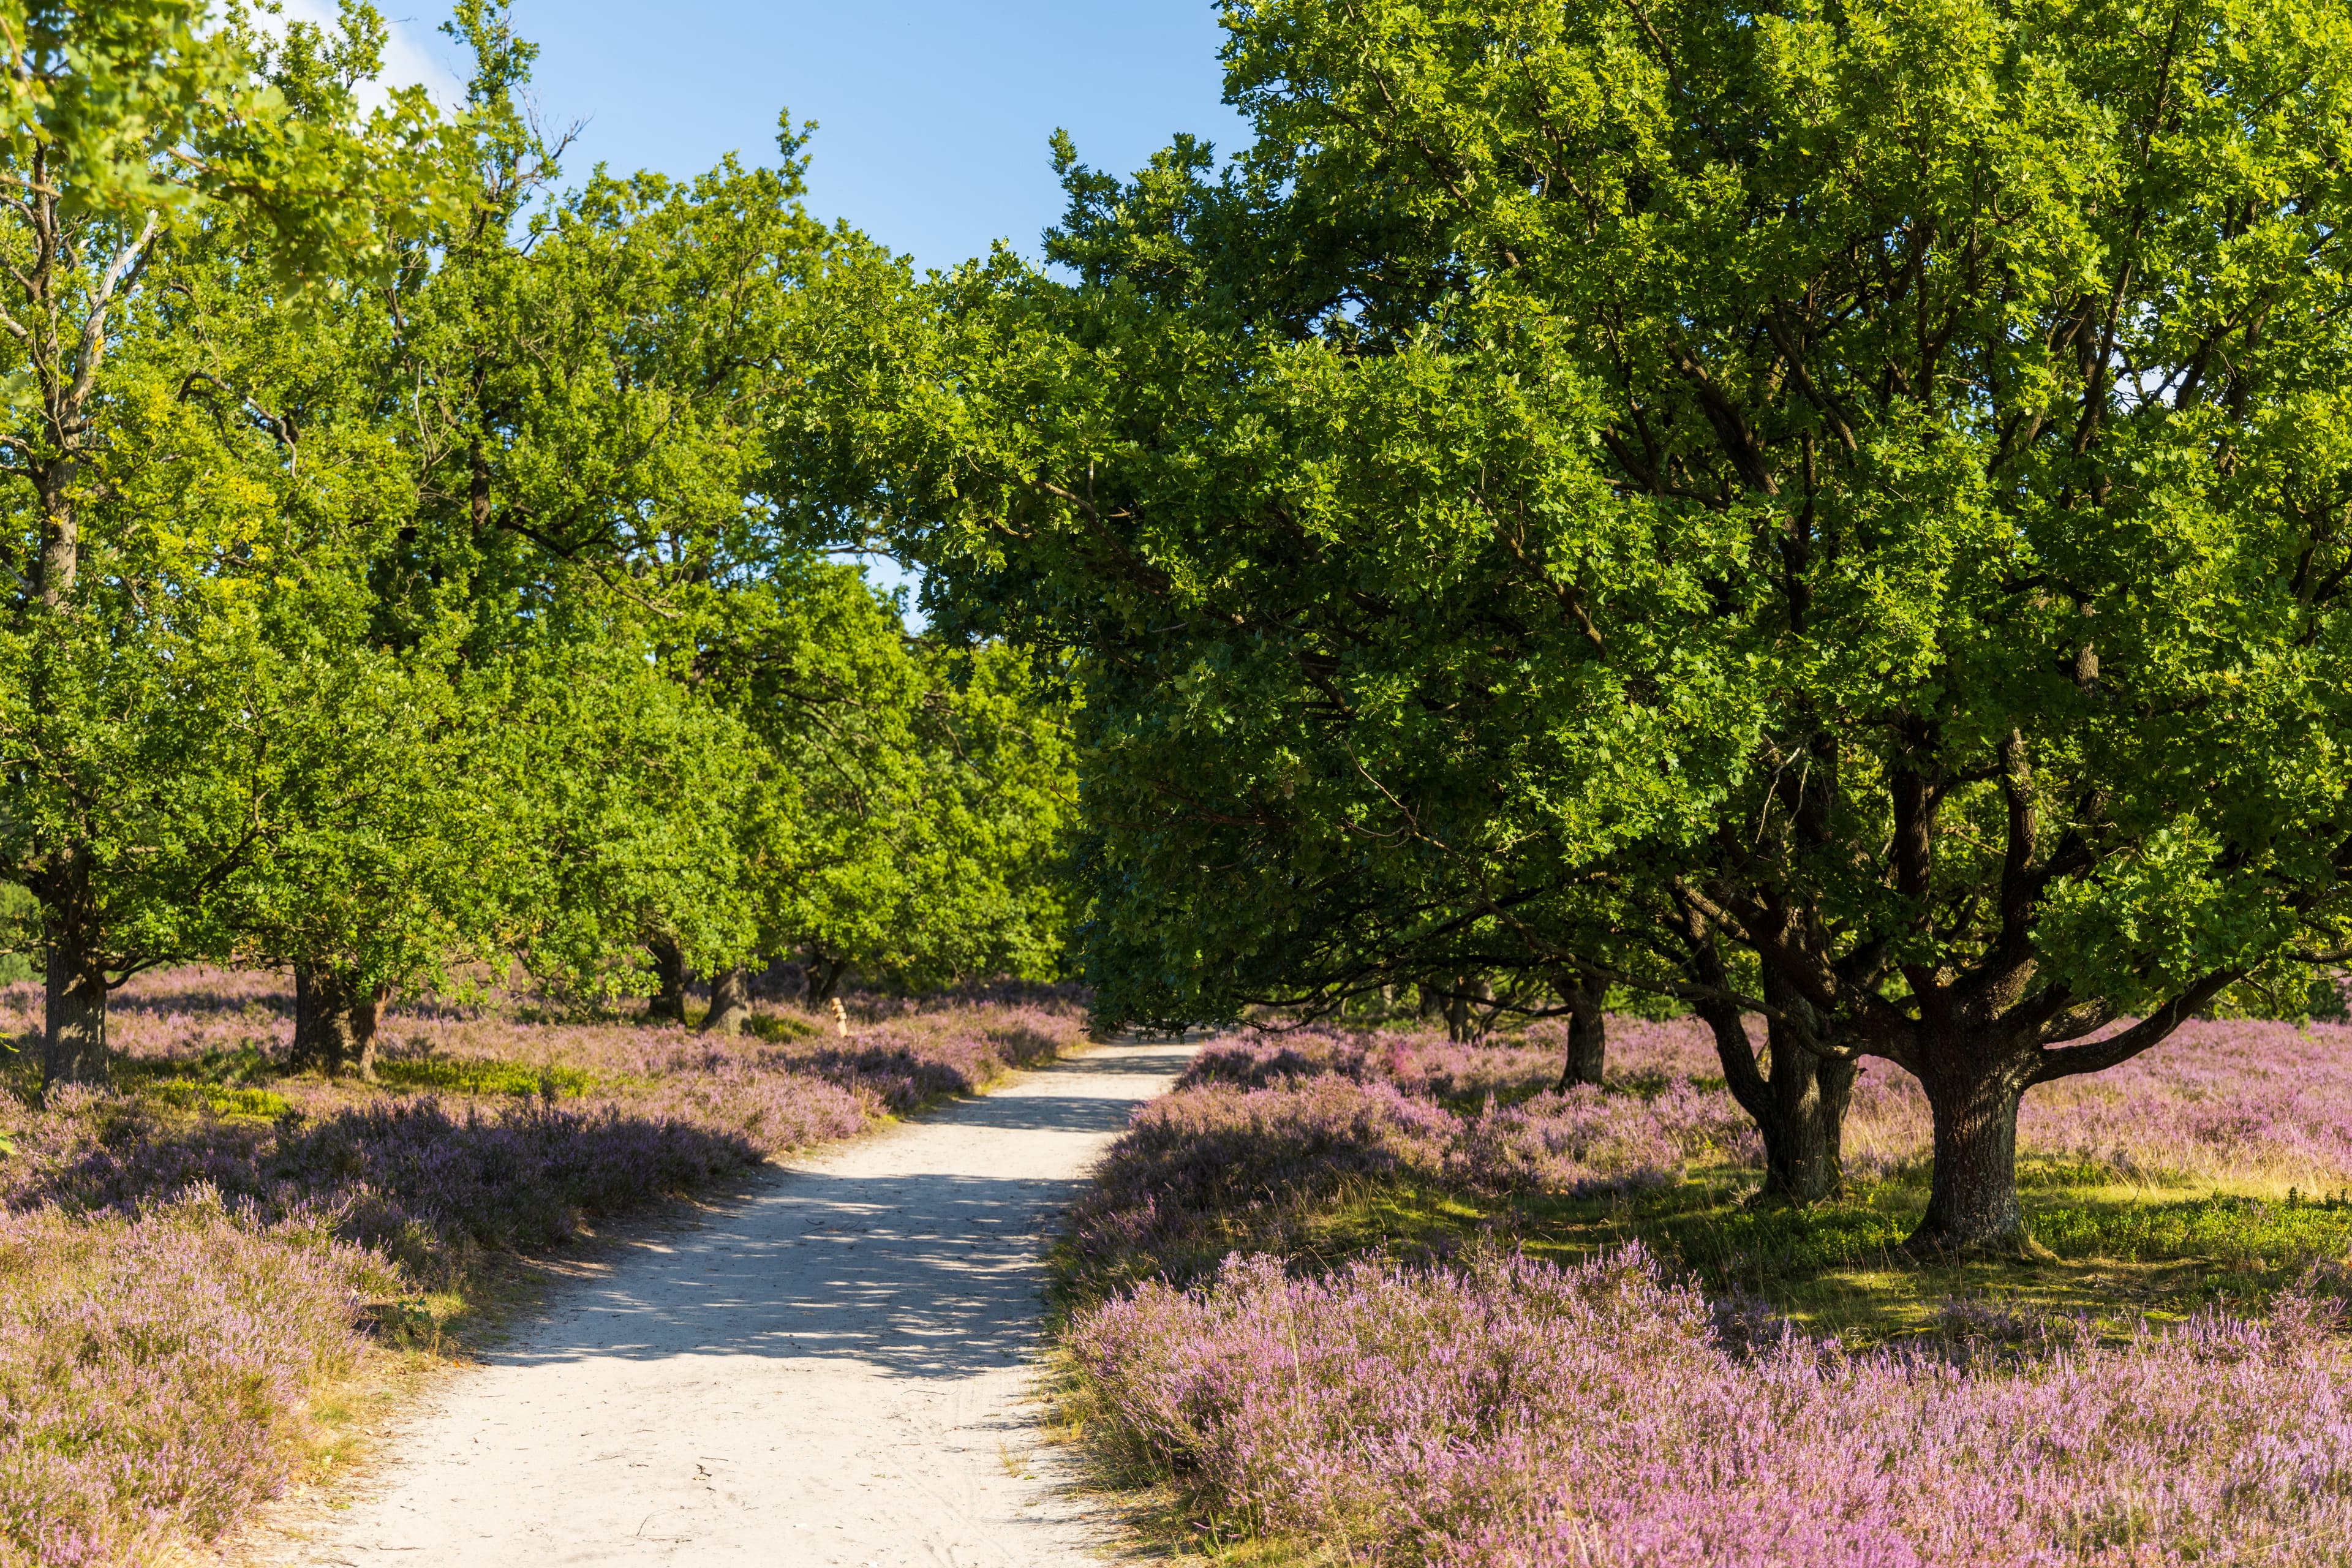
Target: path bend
pixel 832 1372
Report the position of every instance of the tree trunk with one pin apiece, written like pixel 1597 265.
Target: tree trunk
pixel 1804 1138
pixel 669 968
pixel 61 540
pixel 1973 1207
pixel 334 1023
pixel 1797 1102
pixel 1469 989
pixel 731 1002
pixel 364 1008
pixel 73 1036
pixel 1587 1031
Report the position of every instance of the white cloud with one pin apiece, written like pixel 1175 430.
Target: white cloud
pixel 410 55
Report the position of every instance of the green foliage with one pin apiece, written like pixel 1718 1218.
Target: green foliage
pixel 20 939
pixel 1985 352
pixel 638 791
pixel 719 742
pixel 1823 511
pixel 939 859
pixel 193 196
pixel 417 568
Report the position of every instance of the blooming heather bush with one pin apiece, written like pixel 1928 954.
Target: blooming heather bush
pixel 1424 1061
pixel 1262 1129
pixel 1516 1415
pixel 2238 1100
pixel 1202 1169
pixel 180 1259
pixel 1219 1146
pixel 1513 1415
pixel 403 1170
pixel 645 1109
pixel 154 1372
pixel 1583 1141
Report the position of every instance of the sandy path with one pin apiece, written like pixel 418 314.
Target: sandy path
pixel 831 1373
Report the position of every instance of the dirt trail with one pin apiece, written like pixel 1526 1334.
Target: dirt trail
pixel 833 1371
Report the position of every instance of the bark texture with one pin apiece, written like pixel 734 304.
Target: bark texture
pixel 1972 1204
pixel 73 1036
pixel 825 978
pixel 731 1002
pixel 1587 1031
pixel 1804 1138
pixel 1798 1100
pixel 334 1023
pixel 1461 1020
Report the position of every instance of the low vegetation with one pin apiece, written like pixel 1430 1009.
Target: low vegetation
pixel 1381 1297
pixel 190 1259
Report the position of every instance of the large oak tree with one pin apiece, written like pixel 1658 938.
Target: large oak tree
pixel 1862 488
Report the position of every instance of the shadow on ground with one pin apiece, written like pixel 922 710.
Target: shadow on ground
pixel 916 1253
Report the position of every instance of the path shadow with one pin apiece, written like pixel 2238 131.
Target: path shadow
pixel 925 1276
pixel 918 1274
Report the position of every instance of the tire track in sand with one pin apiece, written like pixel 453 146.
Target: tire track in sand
pixel 832 1372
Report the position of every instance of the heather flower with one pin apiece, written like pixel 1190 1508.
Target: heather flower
pixel 1200 1169
pixel 1579 1141
pixel 1520 1414
pixel 154 1372
pixel 2237 1100
pixel 176 1275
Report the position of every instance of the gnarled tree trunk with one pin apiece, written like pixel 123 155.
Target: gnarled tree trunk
pixel 1797 1102
pixel 731 1002
pixel 334 1022
pixel 1588 1030
pixel 1972 1206
pixel 669 969
pixel 73 1035
pixel 824 976
pixel 1468 991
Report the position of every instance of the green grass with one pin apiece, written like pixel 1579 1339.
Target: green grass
pixel 237 1082
pixel 222 1082
pixel 453 1075
pixel 185 1094
pixel 2123 1254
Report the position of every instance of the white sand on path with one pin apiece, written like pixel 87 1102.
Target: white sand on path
pixel 834 1370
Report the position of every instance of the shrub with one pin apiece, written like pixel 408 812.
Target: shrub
pixel 1516 1415
pixel 155 1371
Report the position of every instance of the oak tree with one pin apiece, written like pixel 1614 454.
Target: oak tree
pixel 1863 487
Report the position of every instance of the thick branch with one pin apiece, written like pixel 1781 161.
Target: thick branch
pixel 2097 1056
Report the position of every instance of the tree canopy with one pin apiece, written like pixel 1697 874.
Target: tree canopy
pixel 1826 513
pixel 406 577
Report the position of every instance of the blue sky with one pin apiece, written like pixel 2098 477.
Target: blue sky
pixel 932 116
